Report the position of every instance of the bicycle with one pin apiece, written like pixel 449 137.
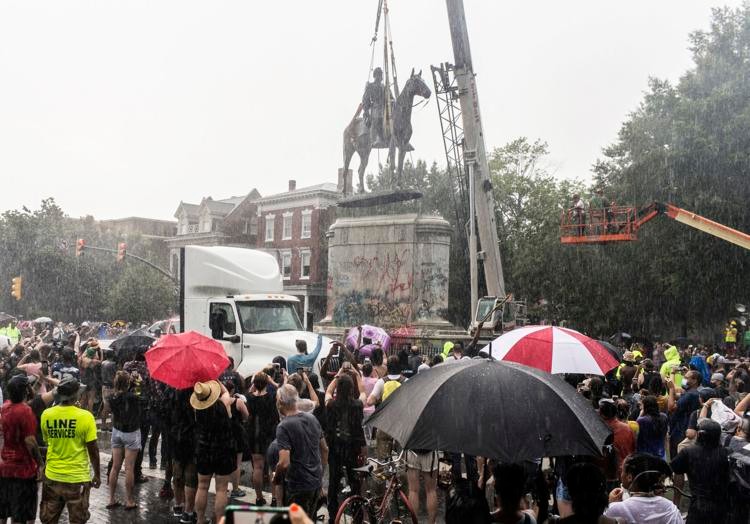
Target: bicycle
pixel 392 508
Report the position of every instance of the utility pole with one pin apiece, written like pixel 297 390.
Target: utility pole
pixel 475 157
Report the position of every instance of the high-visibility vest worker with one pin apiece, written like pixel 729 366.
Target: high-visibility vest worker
pixel 730 333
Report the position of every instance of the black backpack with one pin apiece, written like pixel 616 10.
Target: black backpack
pixel 739 470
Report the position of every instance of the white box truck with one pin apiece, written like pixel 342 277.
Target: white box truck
pixel 235 295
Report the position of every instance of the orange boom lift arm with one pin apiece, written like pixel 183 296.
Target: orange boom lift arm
pixel 618 224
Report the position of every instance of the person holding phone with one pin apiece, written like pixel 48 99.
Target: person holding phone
pixel 302 451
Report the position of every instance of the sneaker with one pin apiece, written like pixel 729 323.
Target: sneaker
pixel 140 479
pixel 152 464
pixel 177 511
pixel 189 518
pixel 262 502
pixel 237 493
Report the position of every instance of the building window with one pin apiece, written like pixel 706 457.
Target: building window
pixel 270 219
pixel 307 223
pixel 304 258
pixel 286 264
pixel 287 226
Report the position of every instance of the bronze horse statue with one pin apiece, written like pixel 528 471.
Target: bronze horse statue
pixel 357 134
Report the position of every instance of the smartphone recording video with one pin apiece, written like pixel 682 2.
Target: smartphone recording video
pixel 244 514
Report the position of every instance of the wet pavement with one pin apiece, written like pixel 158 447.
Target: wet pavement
pixel 152 509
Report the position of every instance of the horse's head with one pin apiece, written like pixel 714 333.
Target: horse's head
pixel 417 86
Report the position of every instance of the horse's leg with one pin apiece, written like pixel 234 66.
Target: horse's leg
pixel 364 158
pixel 401 155
pixel 348 154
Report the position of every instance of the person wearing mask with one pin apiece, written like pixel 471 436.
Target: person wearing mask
pixel 652 428
pixel 347 448
pixel 21 463
pixel 679 411
pixel 302 452
pixel 510 488
pixel 717 383
pixel 215 453
pixel 302 359
pixel 261 428
pixel 126 439
pixel 643 480
pixel 707 467
pixel 72 454
pixel 239 417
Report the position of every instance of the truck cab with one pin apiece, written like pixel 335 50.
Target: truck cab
pixel 235 296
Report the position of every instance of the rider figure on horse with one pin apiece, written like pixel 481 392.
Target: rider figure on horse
pixel 373 106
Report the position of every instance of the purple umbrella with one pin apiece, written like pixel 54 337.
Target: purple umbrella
pixel 366 337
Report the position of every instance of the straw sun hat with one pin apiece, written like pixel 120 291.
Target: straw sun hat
pixel 205 394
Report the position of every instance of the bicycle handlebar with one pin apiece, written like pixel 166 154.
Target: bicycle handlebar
pixel 385 463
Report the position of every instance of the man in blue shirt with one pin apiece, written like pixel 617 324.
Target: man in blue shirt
pixel 302 359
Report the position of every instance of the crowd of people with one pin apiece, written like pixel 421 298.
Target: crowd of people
pixel 677 418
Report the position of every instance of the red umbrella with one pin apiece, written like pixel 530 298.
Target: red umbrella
pixel 184 359
pixel 554 350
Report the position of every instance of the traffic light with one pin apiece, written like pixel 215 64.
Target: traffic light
pixel 121 251
pixel 80 245
pixel 15 288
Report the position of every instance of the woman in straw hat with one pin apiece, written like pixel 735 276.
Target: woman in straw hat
pixel 215 453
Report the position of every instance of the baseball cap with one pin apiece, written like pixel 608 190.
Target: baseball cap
pixel 68 388
pixel 717 377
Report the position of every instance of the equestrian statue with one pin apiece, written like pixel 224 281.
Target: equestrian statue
pixel 377 130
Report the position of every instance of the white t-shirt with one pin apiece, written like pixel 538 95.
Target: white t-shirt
pixel 645 510
pixel 377 389
pixel 453 360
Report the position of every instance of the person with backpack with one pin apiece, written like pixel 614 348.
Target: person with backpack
pixel 707 467
pixel 384 388
pixel 623 440
pixel 739 480
pixel 347 447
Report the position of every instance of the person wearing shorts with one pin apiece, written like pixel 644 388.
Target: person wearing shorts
pixel 182 444
pixel 422 469
pixel 126 438
pixel 21 462
pixel 215 454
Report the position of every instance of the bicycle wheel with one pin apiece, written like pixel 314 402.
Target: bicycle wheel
pixel 399 510
pixel 355 510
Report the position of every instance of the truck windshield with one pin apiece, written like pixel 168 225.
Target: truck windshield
pixel 267 316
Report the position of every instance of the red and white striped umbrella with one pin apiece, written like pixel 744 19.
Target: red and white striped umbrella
pixel 553 349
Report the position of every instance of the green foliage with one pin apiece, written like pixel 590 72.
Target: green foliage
pixel 40 246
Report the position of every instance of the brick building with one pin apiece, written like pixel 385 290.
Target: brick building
pixel 291 225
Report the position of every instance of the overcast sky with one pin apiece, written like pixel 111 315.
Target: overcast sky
pixel 120 108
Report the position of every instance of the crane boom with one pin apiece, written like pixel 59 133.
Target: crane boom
pixel 475 157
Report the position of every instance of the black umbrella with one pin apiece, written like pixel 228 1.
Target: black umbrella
pixel 611 349
pixel 127 346
pixel 491 409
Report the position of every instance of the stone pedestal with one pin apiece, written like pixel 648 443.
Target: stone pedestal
pixel 389 271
